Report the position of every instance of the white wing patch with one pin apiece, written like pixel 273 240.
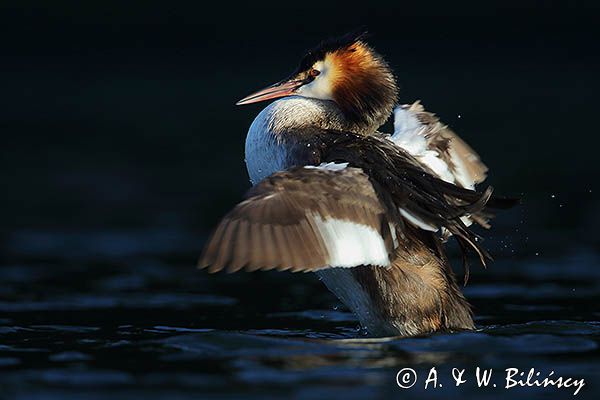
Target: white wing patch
pixel 408 130
pixel 462 176
pixel 419 223
pixel 416 131
pixel 432 159
pixel 350 244
pixel 416 136
pixel 330 166
pixel 409 133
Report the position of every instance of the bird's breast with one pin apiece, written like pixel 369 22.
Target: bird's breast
pixel 278 135
pixel 265 152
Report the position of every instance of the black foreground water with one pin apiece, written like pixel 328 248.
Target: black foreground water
pixel 126 315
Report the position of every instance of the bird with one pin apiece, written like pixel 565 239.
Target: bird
pixel 368 212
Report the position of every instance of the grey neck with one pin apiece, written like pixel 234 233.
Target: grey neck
pixel 295 113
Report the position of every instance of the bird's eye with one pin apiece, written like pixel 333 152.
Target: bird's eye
pixel 314 72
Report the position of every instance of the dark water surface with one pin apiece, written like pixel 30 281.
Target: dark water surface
pixel 126 314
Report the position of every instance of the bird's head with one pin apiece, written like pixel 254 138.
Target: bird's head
pixel 346 71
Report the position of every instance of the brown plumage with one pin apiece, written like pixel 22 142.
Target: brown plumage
pixel 415 292
pixel 276 221
pixel 384 179
pixel 452 149
pixel 362 83
pixel 363 86
pixel 418 294
pixel 336 197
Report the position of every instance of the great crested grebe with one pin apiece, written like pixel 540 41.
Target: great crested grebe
pixel 367 212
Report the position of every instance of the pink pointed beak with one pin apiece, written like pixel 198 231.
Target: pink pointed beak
pixel 280 89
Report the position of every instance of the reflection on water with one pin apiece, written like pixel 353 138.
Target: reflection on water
pixel 127 315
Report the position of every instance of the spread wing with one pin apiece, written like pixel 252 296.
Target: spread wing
pixel 438 148
pixel 304 219
pixel 351 210
pixel 435 145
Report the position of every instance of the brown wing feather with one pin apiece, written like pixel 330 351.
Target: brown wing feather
pixel 402 183
pixel 460 152
pixel 459 156
pixel 275 226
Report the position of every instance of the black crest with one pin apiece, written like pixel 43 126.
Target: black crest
pixel 330 45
